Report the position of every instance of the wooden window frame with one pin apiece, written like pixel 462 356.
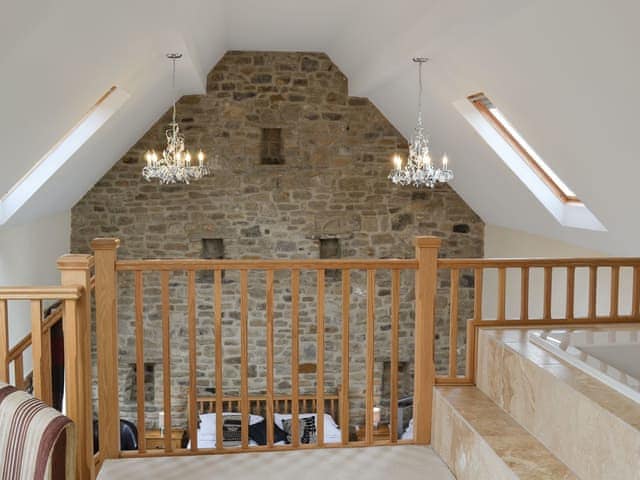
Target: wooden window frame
pixel 476 100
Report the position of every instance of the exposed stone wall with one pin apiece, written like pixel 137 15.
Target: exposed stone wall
pixel 336 151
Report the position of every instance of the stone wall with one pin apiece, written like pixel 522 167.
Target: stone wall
pixel 274 194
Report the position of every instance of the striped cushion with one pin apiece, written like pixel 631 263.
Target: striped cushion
pixel 36 441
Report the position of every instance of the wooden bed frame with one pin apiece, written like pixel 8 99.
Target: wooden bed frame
pixel 281 404
pixel 258 405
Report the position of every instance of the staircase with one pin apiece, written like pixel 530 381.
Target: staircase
pixel 531 416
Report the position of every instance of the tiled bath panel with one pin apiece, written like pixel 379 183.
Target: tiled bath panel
pixel 590 427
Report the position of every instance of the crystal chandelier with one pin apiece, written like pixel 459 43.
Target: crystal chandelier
pixel 419 170
pixel 175 165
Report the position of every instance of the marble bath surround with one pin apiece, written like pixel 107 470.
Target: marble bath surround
pixel 593 429
pixel 611 356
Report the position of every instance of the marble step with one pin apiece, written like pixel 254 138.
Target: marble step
pixel 590 427
pixel 479 441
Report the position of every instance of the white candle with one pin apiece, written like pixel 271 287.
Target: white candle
pixel 376 416
pixel 445 161
pixel 161 422
pixel 397 161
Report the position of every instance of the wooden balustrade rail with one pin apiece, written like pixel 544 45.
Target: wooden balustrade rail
pixel 550 291
pixel 78 282
pixel 108 267
pixel 73 312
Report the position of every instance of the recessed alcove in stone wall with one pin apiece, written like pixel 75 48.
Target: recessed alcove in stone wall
pixel 333 184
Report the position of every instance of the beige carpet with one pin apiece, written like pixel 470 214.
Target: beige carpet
pixel 406 462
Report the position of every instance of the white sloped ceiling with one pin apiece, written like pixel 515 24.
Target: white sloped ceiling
pixel 564 72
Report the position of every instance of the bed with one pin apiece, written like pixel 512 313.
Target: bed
pixel 208 431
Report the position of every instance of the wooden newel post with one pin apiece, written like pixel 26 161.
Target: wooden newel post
pixel 424 375
pixel 75 270
pixel 105 253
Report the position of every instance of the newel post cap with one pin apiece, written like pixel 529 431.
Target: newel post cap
pixel 74 261
pixel 105 243
pixel 428 242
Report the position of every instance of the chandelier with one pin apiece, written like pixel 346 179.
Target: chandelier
pixel 175 165
pixel 419 171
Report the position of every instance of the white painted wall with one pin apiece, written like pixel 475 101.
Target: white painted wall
pixel 28 255
pixel 507 243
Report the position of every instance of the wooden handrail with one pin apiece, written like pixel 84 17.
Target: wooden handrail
pixel 41 293
pixel 462 263
pixel 258 264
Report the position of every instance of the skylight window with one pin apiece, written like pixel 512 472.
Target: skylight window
pixel 553 193
pixel 64 149
pixel 497 119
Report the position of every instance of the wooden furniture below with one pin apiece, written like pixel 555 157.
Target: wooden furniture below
pixel 380 433
pixel 155 440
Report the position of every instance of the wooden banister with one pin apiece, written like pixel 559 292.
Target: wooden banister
pixel 424 377
pixel 105 252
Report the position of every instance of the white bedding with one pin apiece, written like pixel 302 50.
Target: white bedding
pixel 207 430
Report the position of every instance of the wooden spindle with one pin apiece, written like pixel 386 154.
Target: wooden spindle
pixel 244 356
pixel 4 342
pixel 548 280
pixel 295 293
pixel 269 409
pixel 524 294
pixel 344 408
pixel 395 327
pixel 502 292
pixel 18 372
pixel 571 289
pixel 139 306
pixel 320 358
pixel 635 297
pixel 166 360
pixel 470 364
pixel 37 349
pixel 453 324
pixel 193 352
pixel 46 365
pixel 217 300
pixel 370 359
pixel 593 285
pixel 478 277
pixel 615 291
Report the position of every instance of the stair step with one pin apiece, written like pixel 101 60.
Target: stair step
pixel 478 440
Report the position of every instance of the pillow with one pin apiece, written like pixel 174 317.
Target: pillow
pixel 332 433
pixel 231 430
pixel 258 433
pixel 306 429
pixel 208 421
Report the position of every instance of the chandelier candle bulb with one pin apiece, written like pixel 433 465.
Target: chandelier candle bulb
pixel 397 161
pixel 445 161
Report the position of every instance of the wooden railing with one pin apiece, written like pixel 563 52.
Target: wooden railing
pixel 108 268
pixel 586 269
pixel 549 292
pixel 73 312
